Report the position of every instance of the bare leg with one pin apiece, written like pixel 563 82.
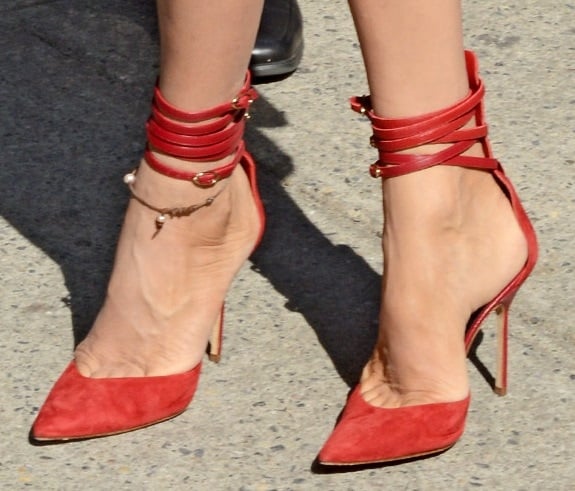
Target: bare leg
pixel 166 292
pixel 450 239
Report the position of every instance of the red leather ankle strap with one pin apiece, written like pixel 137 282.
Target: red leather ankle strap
pixel 181 134
pixel 446 126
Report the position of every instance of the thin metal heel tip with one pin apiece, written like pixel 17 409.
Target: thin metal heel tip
pixel 215 358
pixel 500 391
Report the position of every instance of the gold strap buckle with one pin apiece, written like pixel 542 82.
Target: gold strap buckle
pixel 206 179
pixel 375 171
pixel 239 103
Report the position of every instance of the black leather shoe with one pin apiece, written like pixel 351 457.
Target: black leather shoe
pixel 279 44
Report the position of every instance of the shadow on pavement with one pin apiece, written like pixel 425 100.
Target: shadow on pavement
pixel 76 87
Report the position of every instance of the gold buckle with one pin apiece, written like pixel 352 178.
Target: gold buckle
pixel 375 171
pixel 235 105
pixel 197 179
pixel 247 114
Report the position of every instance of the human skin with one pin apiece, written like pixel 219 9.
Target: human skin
pixel 440 230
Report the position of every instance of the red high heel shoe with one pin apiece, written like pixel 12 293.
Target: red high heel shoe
pixel 366 434
pixel 81 407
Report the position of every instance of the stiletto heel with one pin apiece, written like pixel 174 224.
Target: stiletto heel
pixel 500 386
pixel 367 434
pixel 80 407
pixel 215 344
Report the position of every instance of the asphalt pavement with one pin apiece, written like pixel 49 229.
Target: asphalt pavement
pixel 75 80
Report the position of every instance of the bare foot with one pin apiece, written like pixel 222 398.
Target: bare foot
pixel 167 289
pixel 451 243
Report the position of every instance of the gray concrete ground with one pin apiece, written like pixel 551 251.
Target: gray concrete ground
pixel 75 82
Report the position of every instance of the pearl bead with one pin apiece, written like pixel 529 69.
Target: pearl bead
pixel 130 178
pixel 161 219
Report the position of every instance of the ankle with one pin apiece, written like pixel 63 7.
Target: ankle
pixel 200 148
pixel 430 198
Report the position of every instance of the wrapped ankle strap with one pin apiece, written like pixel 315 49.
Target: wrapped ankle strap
pixel 446 126
pixel 203 136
